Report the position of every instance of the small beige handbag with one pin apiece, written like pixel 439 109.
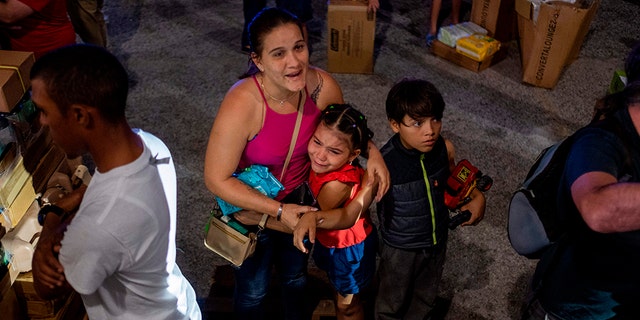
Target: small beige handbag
pixel 228 242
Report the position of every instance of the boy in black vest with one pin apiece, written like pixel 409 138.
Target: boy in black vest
pixel 413 216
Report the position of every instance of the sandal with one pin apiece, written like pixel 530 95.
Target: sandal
pixel 430 38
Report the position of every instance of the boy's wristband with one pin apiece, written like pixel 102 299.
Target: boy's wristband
pixel 279 214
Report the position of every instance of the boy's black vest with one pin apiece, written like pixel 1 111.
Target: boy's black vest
pixel 407 214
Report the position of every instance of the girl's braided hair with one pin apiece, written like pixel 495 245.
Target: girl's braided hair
pixel 348 120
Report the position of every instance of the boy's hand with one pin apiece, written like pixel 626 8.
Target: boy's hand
pixel 476 206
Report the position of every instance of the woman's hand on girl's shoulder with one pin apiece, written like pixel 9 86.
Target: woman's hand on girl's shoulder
pixel 377 172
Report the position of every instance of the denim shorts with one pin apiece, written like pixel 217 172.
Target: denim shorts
pixel 349 269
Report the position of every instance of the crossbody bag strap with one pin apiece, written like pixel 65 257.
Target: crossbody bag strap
pixel 263 222
pixel 294 136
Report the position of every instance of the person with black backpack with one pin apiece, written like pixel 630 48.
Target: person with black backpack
pixel 593 270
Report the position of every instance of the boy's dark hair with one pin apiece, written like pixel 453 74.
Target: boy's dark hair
pixel 348 120
pixel 416 98
pixel 84 74
pixel 262 24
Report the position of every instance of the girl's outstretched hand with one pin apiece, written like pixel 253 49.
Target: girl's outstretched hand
pixel 306 226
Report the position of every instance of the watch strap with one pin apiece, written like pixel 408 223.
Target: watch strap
pixel 46 209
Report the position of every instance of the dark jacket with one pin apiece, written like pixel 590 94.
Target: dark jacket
pixel 412 215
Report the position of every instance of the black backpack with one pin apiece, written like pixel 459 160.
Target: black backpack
pixel 534 222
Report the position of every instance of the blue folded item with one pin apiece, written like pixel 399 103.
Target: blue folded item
pixel 258 177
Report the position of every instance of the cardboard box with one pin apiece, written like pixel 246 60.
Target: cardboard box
pixel 448 53
pixel 11 182
pixel 65 307
pixel 552 40
pixel 25 199
pixel 351 33
pixel 15 67
pixel 497 16
pixel 499 19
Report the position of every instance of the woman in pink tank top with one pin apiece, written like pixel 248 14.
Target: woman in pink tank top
pixel 254 125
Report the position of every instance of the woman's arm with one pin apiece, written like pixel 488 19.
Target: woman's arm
pixel 12 11
pixel 339 218
pixel 377 171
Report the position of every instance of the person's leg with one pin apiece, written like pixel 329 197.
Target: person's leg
pixel 436 5
pixel 303 10
pixel 353 274
pixel 428 268
pixel 395 283
pixel 252 280
pixel 291 266
pixel 348 307
pixel 249 9
pixel 455 11
pixel 88 20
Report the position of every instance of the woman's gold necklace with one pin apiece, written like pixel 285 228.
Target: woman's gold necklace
pixel 281 101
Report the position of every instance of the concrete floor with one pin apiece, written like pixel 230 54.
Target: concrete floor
pixel 183 55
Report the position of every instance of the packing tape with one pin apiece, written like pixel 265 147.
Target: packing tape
pixel 24 89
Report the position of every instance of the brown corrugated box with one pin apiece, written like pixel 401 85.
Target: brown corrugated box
pixel 497 16
pixel 351 33
pixel 15 67
pixel 448 53
pixel 552 41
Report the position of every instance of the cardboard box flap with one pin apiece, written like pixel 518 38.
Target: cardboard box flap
pixel 525 9
pixel 552 42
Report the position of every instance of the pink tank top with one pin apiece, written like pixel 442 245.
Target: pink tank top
pixel 271 145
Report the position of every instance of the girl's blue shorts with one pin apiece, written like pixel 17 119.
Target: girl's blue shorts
pixel 349 269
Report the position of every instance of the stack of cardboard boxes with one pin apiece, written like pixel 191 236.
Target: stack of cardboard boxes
pixel 550 36
pixel 498 18
pixel 28 158
pixel 67 307
pixel 17 193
